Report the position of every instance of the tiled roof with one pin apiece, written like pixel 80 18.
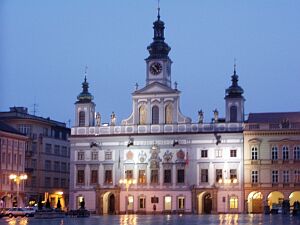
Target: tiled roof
pixel 276 117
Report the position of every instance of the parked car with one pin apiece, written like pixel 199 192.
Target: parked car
pixel 19 212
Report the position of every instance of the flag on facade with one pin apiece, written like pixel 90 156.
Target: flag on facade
pixel 187 158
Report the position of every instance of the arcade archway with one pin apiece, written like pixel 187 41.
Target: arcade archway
pixel 255 202
pixel 204 203
pixel 275 198
pixel 109 203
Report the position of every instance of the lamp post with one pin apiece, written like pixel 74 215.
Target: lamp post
pixel 127 183
pixel 18 179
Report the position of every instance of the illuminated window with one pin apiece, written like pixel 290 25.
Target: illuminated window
pixel 297 176
pixel 181 202
pixel 81 118
pixel 218 175
pixel 274 153
pixel 285 153
pixel 142 202
pixel 168 203
pixel 108 177
pixel 233 174
pixel 154 176
pixel 94 176
pixel 142 177
pixel 80 176
pixel 169 114
pixel 129 174
pixel 233 202
pixel 254 153
pixel 297 153
pixel 130 203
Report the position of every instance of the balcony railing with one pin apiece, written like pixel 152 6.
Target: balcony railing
pixel 157 128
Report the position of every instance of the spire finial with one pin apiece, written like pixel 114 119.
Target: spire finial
pixel 234 67
pixel 85 72
pixel 158 10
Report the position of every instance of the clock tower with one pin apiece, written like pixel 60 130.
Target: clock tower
pixel 158 62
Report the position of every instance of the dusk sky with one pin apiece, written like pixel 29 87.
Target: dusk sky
pixel 45 46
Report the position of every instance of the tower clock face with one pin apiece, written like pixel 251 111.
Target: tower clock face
pixel 155 68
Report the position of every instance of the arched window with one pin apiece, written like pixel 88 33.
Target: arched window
pixel 142 115
pixel 233 113
pixel 155 115
pixel 81 118
pixel 169 114
pixel 274 153
pixel 297 153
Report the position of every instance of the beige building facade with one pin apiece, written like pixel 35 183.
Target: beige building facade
pixel 272 160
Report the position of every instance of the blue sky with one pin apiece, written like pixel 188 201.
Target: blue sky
pixel 45 45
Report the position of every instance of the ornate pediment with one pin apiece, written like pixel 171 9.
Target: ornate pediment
pixel 155 88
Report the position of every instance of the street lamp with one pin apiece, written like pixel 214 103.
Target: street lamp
pixel 18 179
pixel 127 182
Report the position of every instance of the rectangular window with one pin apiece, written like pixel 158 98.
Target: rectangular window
pixel 275 176
pixel 64 151
pixel 233 153
pixel 180 176
pixel 48 149
pixel 56 182
pixel 20 159
pixel 48 182
pixel 142 203
pixel 142 177
pixel 129 174
pixel 233 202
pixel 181 202
pixel 80 155
pixel 168 203
pixel 8 158
pixel 64 167
pixel 3 157
pixel 233 175
pixel 218 153
pixel 167 176
pixel 56 149
pixel 203 153
pixel 286 177
pixel 80 176
pixel 94 155
pixel 33 163
pixel 254 176
pixel 24 128
pixel 154 176
pixel 108 155
pixel 108 177
pixel 94 176
pixel 33 181
pixel 219 175
pixel 63 182
pixel 57 166
pixel 204 175
pixel 47 165
pixel 15 159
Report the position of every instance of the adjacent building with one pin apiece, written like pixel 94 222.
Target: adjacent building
pixel 272 160
pixel 46 156
pixel 12 158
pixel 158 160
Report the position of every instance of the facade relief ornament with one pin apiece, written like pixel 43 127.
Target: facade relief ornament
pixel 113 119
pixel 180 156
pixel 98 119
pixel 154 158
pixel 142 156
pixel 168 156
pixel 129 155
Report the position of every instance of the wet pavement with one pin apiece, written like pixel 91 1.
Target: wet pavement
pixel 158 219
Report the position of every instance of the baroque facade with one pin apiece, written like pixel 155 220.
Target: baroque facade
pixel 46 156
pixel 158 160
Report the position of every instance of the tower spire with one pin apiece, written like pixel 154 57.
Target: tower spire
pixel 234 90
pixel 85 96
pixel 158 10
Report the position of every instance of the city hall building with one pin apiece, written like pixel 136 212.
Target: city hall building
pixel 158 160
